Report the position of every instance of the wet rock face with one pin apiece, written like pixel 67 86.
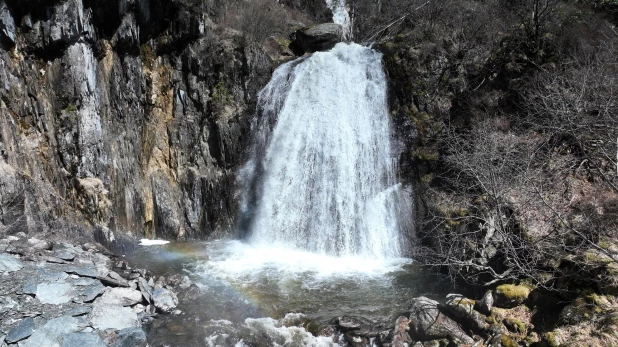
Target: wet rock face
pixel 321 37
pixel 122 117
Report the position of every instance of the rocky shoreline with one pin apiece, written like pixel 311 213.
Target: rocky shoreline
pixel 60 294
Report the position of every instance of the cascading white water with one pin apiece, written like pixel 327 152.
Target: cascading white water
pixel 322 176
pixel 341 16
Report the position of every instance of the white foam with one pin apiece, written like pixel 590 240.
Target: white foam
pixel 147 242
pixel 287 336
pixel 237 259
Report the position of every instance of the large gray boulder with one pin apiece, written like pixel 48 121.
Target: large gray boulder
pixel 120 296
pixel 321 37
pixel 164 300
pixel 105 316
pixel 462 309
pixel 428 323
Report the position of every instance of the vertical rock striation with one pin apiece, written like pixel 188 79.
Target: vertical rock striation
pixel 118 115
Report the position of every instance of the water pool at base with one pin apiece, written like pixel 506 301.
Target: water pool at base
pixel 270 296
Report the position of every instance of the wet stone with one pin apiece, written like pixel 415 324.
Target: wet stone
pixel 81 340
pixel 54 293
pixel 130 337
pixel 23 330
pixel 9 263
pixel 164 299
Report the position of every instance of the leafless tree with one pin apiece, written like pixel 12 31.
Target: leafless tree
pixel 256 19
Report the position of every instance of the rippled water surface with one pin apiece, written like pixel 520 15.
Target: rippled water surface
pixel 268 296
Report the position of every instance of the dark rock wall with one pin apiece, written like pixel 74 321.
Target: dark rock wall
pixel 127 114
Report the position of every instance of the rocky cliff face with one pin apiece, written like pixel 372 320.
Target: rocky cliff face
pixel 130 115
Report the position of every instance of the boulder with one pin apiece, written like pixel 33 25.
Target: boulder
pixel 462 309
pixel 428 323
pixel 401 337
pixel 36 244
pixel 130 337
pixel 164 299
pixel 486 303
pixel 321 37
pixel 510 295
pixel 121 296
pixel 106 316
pixel 51 333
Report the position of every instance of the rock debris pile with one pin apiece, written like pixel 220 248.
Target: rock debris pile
pixel 59 294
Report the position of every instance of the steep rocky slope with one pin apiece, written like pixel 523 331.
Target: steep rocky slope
pixel 129 115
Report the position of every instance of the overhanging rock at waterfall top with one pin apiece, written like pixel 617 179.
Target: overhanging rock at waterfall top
pixel 321 37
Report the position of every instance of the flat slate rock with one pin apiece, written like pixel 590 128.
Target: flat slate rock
pixel 79 311
pixel 30 288
pixel 51 333
pixel 84 281
pixel 49 276
pixel 81 340
pixel 64 255
pixel 23 330
pixel 145 289
pixel 83 271
pixel 9 264
pixel 105 316
pixel 91 292
pixel 54 293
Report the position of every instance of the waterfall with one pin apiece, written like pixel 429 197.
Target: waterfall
pixel 322 177
pixel 341 16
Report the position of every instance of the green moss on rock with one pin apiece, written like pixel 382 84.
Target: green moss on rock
pixel 506 341
pixel 515 325
pixel 511 295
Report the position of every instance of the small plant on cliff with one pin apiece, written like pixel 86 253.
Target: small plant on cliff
pixel 148 56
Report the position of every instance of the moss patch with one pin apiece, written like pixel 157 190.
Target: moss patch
pixel 515 325
pixel 510 295
pixel 506 341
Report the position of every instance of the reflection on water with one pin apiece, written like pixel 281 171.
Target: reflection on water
pixel 248 293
